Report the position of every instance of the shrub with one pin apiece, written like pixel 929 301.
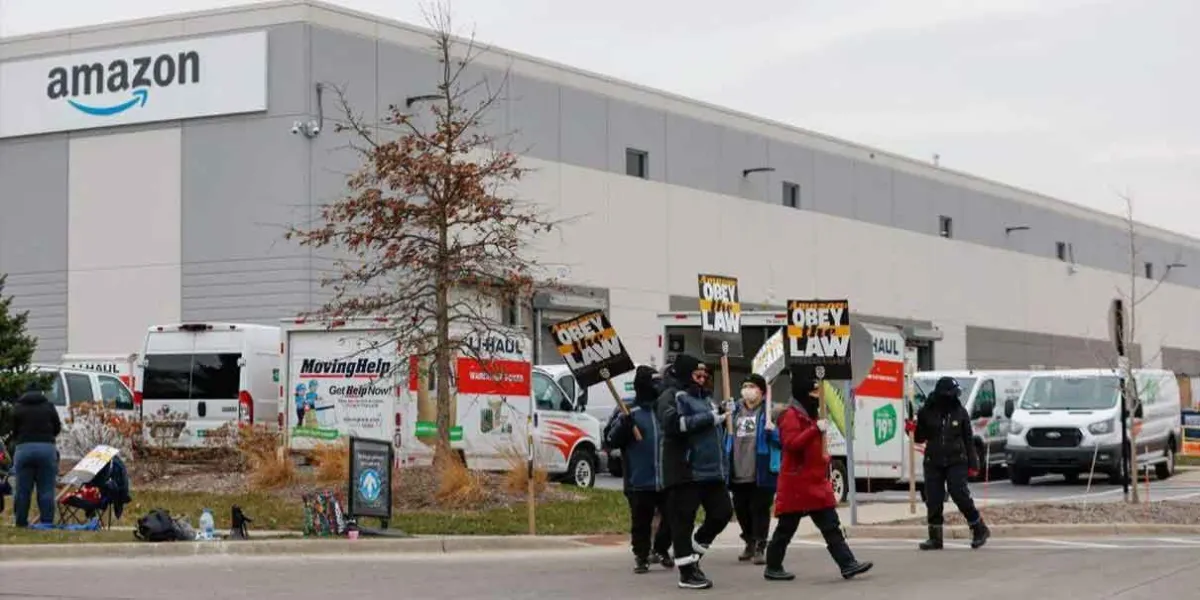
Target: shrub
pixel 458 487
pixel 516 477
pixel 93 424
pixel 331 463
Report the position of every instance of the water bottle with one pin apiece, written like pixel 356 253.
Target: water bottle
pixel 207 526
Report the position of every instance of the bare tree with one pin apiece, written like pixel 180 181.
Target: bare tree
pixel 439 241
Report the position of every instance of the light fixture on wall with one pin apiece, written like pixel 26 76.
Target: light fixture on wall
pixel 1009 230
pixel 746 172
pixel 409 101
pixel 312 129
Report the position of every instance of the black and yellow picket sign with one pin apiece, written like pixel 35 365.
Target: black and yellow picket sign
pixel 591 348
pixel 818 336
pixel 720 315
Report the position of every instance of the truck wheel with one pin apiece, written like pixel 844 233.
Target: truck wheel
pixel 614 466
pixel 1166 469
pixel 837 477
pixel 581 470
pixel 1018 476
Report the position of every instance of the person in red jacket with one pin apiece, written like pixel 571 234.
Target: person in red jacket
pixel 803 488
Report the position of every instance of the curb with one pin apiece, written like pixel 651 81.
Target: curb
pixel 961 532
pixel 419 545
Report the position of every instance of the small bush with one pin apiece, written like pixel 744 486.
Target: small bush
pixel 93 424
pixel 516 478
pixel 331 463
pixel 458 487
pixel 271 471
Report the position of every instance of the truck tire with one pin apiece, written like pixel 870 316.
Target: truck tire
pixel 1166 469
pixel 838 477
pixel 1018 476
pixel 581 469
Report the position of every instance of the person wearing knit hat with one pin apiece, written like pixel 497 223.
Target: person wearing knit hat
pixel 694 466
pixel 749 447
pixel 803 485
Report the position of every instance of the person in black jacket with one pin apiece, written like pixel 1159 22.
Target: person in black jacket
pixel 694 466
pixel 35 462
pixel 643 471
pixel 944 426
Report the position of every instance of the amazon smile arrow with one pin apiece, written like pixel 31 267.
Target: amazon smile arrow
pixel 139 99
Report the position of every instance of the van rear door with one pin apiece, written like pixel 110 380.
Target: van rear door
pixel 193 374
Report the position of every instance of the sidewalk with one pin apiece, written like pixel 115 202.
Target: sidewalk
pixel 868 514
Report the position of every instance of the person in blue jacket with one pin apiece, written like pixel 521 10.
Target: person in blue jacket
pixel 643 471
pixel 749 448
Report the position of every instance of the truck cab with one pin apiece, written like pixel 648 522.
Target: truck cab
pixel 568 435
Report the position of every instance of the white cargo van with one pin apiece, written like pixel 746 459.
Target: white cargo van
pixel 990 397
pixel 205 375
pixel 350 379
pixel 1069 420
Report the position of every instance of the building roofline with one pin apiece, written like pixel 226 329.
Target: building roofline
pixel 323 14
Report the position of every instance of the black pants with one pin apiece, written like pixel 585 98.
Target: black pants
pixel 953 478
pixel 642 506
pixel 752 505
pixel 827 523
pixel 684 501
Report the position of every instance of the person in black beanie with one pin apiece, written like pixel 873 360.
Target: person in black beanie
pixel 694 466
pixel 804 488
pixel 642 468
pixel 749 448
pixel 944 426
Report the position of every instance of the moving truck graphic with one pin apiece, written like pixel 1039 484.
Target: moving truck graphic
pixel 354 380
pixel 880 444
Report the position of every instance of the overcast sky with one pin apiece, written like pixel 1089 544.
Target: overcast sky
pixel 1071 98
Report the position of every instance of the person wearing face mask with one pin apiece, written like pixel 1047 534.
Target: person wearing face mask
pixel 944 426
pixel 694 467
pixel 643 471
pixel 804 488
pixel 749 448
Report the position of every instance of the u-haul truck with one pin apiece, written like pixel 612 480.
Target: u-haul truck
pixel 353 380
pixel 123 366
pixel 881 448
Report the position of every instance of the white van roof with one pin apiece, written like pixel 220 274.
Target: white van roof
pixel 975 373
pixel 202 326
pixel 1097 372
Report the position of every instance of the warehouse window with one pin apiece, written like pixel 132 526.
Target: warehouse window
pixel 791 194
pixel 637 163
pixel 1060 250
pixel 945 226
pixel 1149 270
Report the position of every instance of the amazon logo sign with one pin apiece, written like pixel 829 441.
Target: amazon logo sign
pixel 135 76
pixel 164 81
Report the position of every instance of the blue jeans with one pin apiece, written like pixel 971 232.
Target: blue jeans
pixel 35 463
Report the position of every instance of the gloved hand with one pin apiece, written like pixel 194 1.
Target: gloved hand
pixel 717 414
pixel 972 472
pixel 910 426
pixel 770 424
pixel 823 425
pixel 727 406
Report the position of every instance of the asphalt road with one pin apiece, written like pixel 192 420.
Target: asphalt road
pixel 1048 489
pixel 1125 569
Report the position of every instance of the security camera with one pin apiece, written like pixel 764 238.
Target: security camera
pixel 297 127
pixel 314 129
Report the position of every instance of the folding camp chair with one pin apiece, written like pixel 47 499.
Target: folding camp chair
pixel 81 505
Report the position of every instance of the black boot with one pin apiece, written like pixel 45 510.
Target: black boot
pixel 777 574
pixel 979 535
pixel 935 539
pixel 690 578
pixel 747 552
pixel 760 553
pixel 839 550
pixel 641 565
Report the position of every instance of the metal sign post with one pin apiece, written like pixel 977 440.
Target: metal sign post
pixel 851 478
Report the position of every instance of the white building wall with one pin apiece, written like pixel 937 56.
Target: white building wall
pixel 646 241
pixel 123 238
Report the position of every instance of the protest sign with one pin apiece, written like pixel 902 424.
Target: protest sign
pixel 720 315
pixel 818 336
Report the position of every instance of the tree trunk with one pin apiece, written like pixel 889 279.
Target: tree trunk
pixel 444 379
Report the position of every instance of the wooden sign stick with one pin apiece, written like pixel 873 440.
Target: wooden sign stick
pixel 725 383
pixel 612 389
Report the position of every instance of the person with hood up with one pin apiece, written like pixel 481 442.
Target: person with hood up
pixel 642 466
pixel 944 426
pixel 694 466
pixel 750 447
pixel 35 426
pixel 804 488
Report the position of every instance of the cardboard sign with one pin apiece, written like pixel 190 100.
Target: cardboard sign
pixel 90 466
pixel 720 315
pixel 818 339
pixel 590 347
pixel 370 478
pixel 769 361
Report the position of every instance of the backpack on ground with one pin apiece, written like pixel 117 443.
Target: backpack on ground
pixel 158 526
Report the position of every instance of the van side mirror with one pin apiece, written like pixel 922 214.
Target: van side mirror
pixel 984 409
pixel 566 406
pixel 582 400
pixel 1009 408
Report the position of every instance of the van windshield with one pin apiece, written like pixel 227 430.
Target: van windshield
pixel 191 377
pixel 1071 393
